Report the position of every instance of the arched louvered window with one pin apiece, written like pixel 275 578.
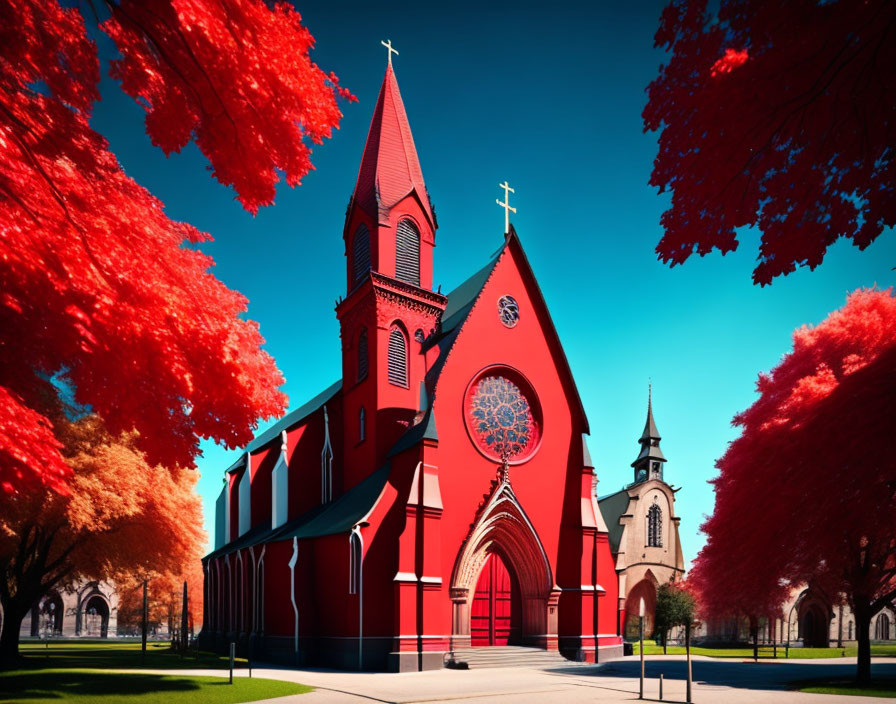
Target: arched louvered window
pixel 362 355
pixel 398 357
pixel 654 527
pixel 360 253
pixel 362 423
pixel 407 253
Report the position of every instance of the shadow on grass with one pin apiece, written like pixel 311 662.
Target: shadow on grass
pixel 62 685
pixel 158 657
pixel 878 687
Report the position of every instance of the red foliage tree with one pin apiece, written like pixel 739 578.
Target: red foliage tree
pixel 121 518
pixel 96 282
pixel 808 490
pixel 779 115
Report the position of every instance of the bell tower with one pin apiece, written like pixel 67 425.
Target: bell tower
pixel 650 461
pixel 389 308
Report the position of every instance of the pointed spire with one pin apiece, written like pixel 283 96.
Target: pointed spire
pixel 390 169
pixel 650 431
pixel 649 441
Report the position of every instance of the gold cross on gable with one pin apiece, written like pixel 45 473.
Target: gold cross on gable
pixel 506 205
pixel 388 45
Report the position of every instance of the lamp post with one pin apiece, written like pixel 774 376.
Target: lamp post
pixel 641 639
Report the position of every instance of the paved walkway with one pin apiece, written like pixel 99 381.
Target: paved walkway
pixel 715 680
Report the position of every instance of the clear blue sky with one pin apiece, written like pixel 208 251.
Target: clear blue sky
pixel 550 100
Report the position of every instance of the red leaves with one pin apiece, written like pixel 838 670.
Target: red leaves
pixel 799 144
pixel 27 441
pixel 96 280
pixel 815 455
pixel 730 61
pixel 234 76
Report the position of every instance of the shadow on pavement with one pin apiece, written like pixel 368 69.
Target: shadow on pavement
pixel 743 675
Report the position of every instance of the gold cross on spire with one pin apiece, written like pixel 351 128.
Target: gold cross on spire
pixel 388 45
pixel 506 205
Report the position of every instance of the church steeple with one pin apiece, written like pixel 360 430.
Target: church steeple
pixel 650 460
pixel 390 307
pixel 390 224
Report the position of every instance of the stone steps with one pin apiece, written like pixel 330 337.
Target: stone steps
pixel 509 656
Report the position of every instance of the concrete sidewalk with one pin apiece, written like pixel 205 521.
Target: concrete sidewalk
pixel 715 680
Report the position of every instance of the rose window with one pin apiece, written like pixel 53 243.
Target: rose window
pixel 501 418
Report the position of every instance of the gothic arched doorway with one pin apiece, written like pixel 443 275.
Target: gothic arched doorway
pixel 646 590
pixel 96 617
pixel 813 628
pixel 503 535
pixel 495 612
pixel 882 627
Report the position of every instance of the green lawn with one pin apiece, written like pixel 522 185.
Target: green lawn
pixel 117 656
pixel 87 673
pixel 47 686
pixel 766 651
pixel 877 688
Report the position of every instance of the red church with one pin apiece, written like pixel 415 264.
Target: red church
pixel 439 497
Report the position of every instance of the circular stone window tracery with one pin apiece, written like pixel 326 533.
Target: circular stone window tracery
pixel 503 416
pixel 508 311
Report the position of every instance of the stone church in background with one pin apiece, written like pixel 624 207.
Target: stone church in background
pixel 86 609
pixel 643 532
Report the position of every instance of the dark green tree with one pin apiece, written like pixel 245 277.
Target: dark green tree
pixel 675 606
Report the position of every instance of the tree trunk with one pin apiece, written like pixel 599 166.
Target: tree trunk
pixel 14 613
pixel 665 640
pixel 863 626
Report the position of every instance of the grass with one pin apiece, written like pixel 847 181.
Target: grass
pixel 767 652
pixel 88 673
pixel 118 656
pixel 46 686
pixel 878 688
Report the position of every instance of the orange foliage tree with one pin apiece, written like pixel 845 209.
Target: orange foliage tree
pixel 96 282
pixel 808 490
pixel 121 517
pixel 164 597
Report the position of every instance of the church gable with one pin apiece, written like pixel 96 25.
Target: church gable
pixel 503 341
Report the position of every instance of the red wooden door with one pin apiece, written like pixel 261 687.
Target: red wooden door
pixel 491 616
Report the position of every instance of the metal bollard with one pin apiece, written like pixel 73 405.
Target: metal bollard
pixel 661 686
pixel 232 656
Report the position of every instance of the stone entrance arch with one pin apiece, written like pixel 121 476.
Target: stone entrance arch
pixel 646 590
pixel 502 527
pixel 95 616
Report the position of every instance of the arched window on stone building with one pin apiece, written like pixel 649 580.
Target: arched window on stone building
pixel 882 627
pixel 655 527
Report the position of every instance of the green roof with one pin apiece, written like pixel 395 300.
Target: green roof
pixel 612 507
pixel 294 417
pixel 339 516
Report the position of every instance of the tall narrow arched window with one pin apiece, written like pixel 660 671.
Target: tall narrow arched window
pixel 326 464
pixel 354 563
pixel 360 253
pixel 398 357
pixel 882 627
pixel 362 423
pixel 654 527
pixel 362 355
pixel 407 253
